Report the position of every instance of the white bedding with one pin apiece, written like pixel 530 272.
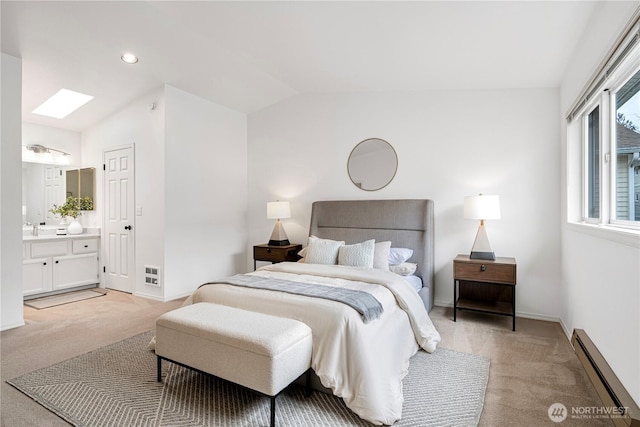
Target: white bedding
pixel 362 363
pixel 414 281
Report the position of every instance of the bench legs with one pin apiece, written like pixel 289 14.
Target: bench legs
pixel 273 411
pixel 273 398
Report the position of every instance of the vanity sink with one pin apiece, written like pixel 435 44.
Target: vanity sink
pixel 48 232
pixel 58 237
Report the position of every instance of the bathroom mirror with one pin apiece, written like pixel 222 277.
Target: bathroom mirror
pixel 80 183
pixel 372 164
pixel 44 185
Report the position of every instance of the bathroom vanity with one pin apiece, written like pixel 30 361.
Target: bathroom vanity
pixel 53 264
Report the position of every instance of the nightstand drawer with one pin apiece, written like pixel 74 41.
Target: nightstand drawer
pixel 267 254
pixel 276 253
pixel 485 272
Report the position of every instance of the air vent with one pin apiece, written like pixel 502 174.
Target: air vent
pixel 151 276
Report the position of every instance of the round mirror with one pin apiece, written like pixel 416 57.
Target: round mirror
pixel 372 164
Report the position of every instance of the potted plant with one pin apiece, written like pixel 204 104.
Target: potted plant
pixel 70 208
pixel 85 203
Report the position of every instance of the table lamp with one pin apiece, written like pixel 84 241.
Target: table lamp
pixel 482 207
pixel 277 210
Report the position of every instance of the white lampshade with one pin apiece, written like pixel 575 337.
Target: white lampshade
pixel 482 207
pixel 278 210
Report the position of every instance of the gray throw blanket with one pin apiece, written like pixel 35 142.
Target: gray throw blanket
pixel 363 302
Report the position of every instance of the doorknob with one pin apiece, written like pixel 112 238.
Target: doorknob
pixel 127 227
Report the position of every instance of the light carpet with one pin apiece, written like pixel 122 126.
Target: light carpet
pixel 64 298
pixel 116 386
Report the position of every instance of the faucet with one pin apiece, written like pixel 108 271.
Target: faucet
pixel 35 230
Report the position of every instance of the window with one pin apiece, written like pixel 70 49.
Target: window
pixel 611 152
pixel 626 171
pixel 603 146
pixel 593 164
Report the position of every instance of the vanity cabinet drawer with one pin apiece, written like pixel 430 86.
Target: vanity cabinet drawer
pixel 47 249
pixel 84 246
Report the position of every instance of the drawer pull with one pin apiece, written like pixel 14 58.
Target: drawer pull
pixel 57 262
pixel 268 250
pixel 483 267
pixel 86 246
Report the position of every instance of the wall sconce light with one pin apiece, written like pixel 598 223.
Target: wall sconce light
pixel 36 153
pixel 41 149
pixel 278 210
pixel 482 207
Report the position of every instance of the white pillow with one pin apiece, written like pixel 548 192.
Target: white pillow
pixel 322 251
pixel 381 255
pixel 399 255
pixel 404 269
pixel 357 255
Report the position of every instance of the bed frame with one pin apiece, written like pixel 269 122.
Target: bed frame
pixel 407 223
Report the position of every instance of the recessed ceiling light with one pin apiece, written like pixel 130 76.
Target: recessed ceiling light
pixel 129 58
pixel 63 103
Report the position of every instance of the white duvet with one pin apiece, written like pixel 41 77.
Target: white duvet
pixel 362 363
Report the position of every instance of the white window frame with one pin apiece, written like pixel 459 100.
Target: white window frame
pixel 585 162
pixel 613 71
pixel 619 80
pixel 606 101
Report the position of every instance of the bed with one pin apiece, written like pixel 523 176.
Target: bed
pixel 360 359
pixel 406 223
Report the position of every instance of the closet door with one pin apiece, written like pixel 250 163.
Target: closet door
pixel 119 219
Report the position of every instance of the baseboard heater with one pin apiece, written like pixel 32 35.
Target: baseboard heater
pixel 607 385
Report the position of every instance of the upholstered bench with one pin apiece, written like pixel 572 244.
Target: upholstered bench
pixel 261 352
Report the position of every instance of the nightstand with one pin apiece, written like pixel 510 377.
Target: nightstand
pixel 274 254
pixel 485 286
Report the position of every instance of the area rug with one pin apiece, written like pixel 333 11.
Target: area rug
pixel 64 298
pixel 116 386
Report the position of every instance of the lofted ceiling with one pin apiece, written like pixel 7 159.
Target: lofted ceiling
pixel 249 55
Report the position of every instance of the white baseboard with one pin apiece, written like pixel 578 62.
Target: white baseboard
pixel 522 314
pixel 535 316
pixel 12 326
pixel 148 296
pixel 566 330
pixel 157 298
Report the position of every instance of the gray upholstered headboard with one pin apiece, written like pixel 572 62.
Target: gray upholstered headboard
pixel 407 223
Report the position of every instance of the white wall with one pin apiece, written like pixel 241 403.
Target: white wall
pixel 191 185
pixel 60 139
pixel 10 192
pixel 205 192
pixel 136 124
pixel 450 144
pixel 601 283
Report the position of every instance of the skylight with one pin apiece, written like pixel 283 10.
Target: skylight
pixel 63 103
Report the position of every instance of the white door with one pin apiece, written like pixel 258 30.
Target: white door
pixel 53 189
pixel 119 219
